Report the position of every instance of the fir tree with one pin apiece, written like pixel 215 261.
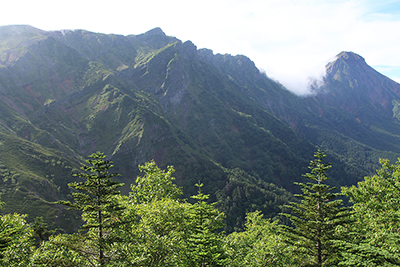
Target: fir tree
pixel 317 216
pixel 97 200
pixel 205 245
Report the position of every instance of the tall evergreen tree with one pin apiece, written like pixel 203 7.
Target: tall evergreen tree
pixel 96 198
pixel 316 216
pixel 205 244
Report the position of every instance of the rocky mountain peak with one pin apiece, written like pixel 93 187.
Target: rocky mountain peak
pixel 153 32
pixel 356 87
pixel 349 56
pixel 345 61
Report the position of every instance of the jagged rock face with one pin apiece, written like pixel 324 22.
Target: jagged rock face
pixel 166 75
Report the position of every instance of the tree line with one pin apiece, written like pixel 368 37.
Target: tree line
pixel 154 226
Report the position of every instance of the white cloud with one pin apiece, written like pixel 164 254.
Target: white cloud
pixel 290 39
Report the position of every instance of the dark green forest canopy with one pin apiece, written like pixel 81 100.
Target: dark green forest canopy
pixel 154 226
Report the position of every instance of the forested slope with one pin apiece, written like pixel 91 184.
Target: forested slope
pixel 216 118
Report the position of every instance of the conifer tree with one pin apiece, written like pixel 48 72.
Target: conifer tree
pixel 96 198
pixel 316 216
pixel 205 245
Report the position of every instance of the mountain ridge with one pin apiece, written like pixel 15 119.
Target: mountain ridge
pixel 216 118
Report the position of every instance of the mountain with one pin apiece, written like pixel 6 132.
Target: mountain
pixel 367 96
pixel 359 106
pixel 353 116
pixel 216 118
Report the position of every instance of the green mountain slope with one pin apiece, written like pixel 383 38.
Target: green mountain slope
pixel 216 118
pixel 33 177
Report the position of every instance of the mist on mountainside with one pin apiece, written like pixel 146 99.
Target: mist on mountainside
pixel 299 75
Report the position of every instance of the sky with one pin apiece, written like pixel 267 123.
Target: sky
pixel 291 41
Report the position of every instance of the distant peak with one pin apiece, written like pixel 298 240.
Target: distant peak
pixel 155 31
pixel 346 58
pixel 349 56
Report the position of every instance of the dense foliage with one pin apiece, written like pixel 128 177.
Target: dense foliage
pixel 153 226
pixel 373 239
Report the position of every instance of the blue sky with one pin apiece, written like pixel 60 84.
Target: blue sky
pixel 289 40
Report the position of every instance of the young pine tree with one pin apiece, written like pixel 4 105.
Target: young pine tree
pixel 316 217
pixel 97 201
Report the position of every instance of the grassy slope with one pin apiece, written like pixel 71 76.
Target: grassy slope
pixel 32 178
